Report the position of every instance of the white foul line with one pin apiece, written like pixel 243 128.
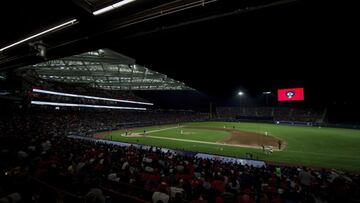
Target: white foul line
pixel 152 131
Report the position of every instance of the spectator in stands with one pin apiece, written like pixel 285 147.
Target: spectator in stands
pixel 305 179
pixel 161 194
pixel 95 195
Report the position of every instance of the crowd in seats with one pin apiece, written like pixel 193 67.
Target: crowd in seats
pixel 88 121
pixel 271 113
pixel 34 148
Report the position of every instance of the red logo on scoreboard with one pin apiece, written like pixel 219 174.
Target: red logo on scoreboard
pixel 293 94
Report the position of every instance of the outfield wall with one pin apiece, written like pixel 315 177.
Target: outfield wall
pixel 297 123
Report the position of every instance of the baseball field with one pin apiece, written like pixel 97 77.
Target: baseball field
pixel 333 148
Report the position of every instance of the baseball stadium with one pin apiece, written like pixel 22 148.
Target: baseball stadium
pixel 293 145
pixel 211 101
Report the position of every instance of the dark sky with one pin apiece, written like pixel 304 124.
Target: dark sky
pixel 302 44
pixel 311 44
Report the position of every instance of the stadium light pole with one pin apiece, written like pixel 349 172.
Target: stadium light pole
pixel 267 97
pixel 241 94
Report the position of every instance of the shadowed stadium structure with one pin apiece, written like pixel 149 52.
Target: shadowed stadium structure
pixel 178 101
pixel 103 69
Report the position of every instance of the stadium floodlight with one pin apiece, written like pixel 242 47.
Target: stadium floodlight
pixel 85 105
pixel 267 92
pixel 240 93
pixel 111 7
pixel 89 97
pixel 70 22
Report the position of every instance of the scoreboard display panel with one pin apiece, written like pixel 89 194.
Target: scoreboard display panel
pixel 291 94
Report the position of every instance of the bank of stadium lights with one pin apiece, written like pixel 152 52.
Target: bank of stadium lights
pixel 112 7
pixel 68 23
pixel 266 93
pixel 240 93
pixel 88 97
pixel 85 105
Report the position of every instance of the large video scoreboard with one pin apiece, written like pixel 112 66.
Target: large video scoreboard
pixel 291 94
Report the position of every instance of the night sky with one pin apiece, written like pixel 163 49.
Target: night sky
pixel 302 44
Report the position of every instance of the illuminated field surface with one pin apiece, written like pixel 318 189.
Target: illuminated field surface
pixel 311 146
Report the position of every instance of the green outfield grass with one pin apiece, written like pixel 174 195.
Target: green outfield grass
pixel 312 146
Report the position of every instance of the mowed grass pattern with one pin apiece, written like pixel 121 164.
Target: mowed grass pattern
pixel 312 146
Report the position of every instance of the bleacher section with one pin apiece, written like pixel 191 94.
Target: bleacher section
pixel 271 114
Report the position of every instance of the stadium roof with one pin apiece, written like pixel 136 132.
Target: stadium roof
pixel 104 69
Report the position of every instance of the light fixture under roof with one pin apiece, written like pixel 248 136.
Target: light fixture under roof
pixel 89 97
pixel 70 22
pixel 111 7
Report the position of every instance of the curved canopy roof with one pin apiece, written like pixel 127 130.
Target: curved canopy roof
pixel 105 69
